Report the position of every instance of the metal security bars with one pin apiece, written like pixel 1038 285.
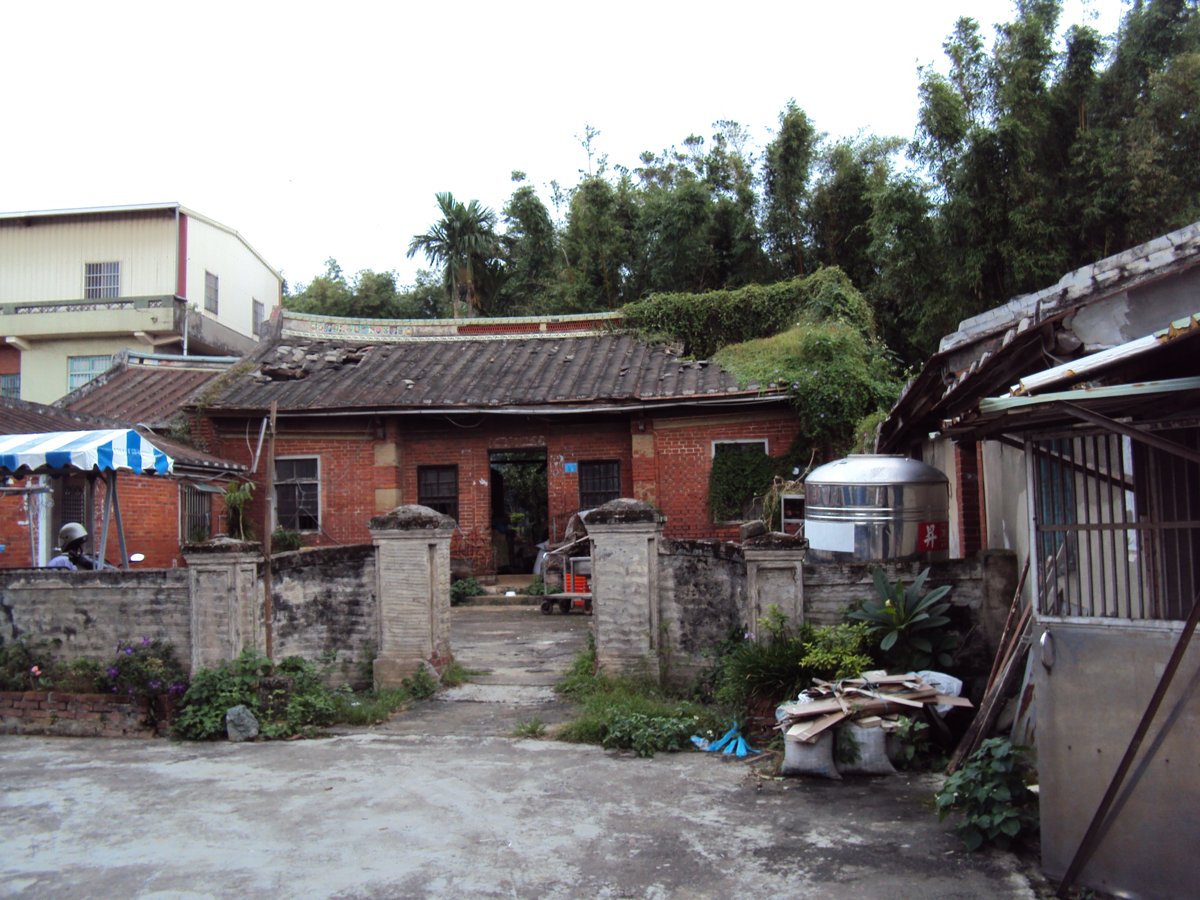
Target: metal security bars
pixel 101 280
pixel 195 514
pixel 1116 525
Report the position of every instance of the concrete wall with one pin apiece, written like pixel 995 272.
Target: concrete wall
pixel 85 614
pixel 324 602
pixel 1092 684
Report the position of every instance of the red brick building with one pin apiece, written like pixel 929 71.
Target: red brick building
pixel 510 426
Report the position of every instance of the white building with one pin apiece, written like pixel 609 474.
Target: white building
pixel 78 285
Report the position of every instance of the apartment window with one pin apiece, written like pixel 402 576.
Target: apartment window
pixel 211 289
pixel 437 488
pixel 741 474
pixel 10 386
pixel 298 493
pixel 599 482
pixel 82 369
pixel 101 280
pixel 257 314
pixel 195 513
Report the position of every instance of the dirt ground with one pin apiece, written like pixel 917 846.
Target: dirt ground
pixel 443 802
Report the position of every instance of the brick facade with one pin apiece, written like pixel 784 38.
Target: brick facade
pixel 78 715
pixel 369 466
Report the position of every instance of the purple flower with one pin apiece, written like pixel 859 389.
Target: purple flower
pixel 155 685
pixel 114 689
pixel 129 651
pixel 177 688
pixel 145 642
pixel 113 672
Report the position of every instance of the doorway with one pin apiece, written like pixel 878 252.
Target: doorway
pixel 520 508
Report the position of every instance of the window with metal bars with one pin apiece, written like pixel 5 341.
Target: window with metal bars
pixel 437 488
pixel 257 314
pixel 101 280
pixel 298 493
pixel 195 514
pixel 211 289
pixel 599 482
pixel 1117 525
pixel 82 369
pixel 10 386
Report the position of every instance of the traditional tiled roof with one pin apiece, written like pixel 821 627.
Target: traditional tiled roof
pixel 145 389
pixel 576 363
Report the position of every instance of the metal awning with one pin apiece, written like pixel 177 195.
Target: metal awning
pixel 62 452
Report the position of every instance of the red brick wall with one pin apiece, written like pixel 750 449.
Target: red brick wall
pixel 683 459
pixel 969 497
pixel 663 460
pixel 78 715
pixel 18 548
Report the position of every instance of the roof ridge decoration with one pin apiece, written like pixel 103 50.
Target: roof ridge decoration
pixel 311 326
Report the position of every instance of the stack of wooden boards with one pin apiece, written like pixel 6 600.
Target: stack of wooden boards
pixel 868 699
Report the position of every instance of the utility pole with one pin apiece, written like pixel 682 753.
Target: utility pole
pixel 267 529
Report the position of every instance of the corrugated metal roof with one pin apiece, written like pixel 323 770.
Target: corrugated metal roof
pixel 516 372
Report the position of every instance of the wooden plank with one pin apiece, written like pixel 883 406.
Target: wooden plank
pixel 809 731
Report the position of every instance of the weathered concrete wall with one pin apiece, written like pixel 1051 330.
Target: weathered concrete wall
pixel 324 602
pixel 85 614
pixel 701 595
pixel 1093 682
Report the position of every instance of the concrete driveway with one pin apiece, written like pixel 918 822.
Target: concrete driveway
pixel 442 802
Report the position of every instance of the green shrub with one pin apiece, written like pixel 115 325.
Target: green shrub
pixel 991 793
pixel 463 589
pixel 287 698
pixel 284 540
pixel 911 627
pixel 24 667
pixel 836 651
pixel 145 668
pixel 536 588
pixel 420 685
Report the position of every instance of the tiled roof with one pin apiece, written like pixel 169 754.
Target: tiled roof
pixel 142 394
pixel 521 371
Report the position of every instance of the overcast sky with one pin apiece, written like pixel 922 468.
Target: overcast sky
pixel 321 130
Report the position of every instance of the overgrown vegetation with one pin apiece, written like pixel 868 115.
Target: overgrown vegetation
pixel 237 498
pixel 284 540
pixel 991 794
pixel 288 698
pixel 140 669
pixel 629 713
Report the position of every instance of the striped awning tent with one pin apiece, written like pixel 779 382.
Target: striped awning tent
pixel 55 452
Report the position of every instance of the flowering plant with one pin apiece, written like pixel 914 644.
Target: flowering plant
pixel 145 668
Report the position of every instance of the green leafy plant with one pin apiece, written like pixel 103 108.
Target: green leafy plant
pixel 368 708
pixel 285 539
pixel 287 698
pixel 991 793
pixel 739 473
pixel 646 734
pixel 909 746
pixel 837 651
pixel 237 498
pixel 536 588
pixel 910 626
pixel 463 589
pixel 420 685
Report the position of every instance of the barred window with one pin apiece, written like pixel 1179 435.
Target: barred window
pixel 10 386
pixel 437 488
pixel 211 285
pixel 298 493
pixel 599 482
pixel 101 280
pixel 1117 525
pixel 195 513
pixel 257 315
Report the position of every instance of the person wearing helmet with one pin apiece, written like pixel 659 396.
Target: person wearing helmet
pixel 70 555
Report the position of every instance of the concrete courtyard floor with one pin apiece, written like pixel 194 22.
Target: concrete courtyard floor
pixel 442 801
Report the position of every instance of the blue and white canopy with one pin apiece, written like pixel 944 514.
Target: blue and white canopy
pixel 84 451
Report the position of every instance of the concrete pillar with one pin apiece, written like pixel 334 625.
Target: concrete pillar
pixel 226 600
pixel 774 576
pixel 412 564
pixel 627 624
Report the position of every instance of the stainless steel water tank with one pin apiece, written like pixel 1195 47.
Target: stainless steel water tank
pixel 875 507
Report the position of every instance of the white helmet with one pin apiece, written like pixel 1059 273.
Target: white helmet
pixel 71 532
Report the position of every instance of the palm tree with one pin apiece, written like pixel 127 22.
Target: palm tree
pixel 462 243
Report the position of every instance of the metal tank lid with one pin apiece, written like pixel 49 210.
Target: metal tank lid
pixel 872 468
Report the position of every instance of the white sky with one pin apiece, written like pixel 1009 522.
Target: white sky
pixel 325 129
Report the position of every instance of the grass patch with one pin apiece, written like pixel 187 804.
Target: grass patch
pixel 629 712
pixel 532 728
pixel 369 707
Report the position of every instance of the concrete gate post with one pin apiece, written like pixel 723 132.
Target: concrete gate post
pixel 774 577
pixel 226 600
pixel 412 565
pixel 625 538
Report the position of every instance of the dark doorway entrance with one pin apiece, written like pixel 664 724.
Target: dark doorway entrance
pixel 520 508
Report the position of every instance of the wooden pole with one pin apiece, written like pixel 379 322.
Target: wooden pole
pixel 267 529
